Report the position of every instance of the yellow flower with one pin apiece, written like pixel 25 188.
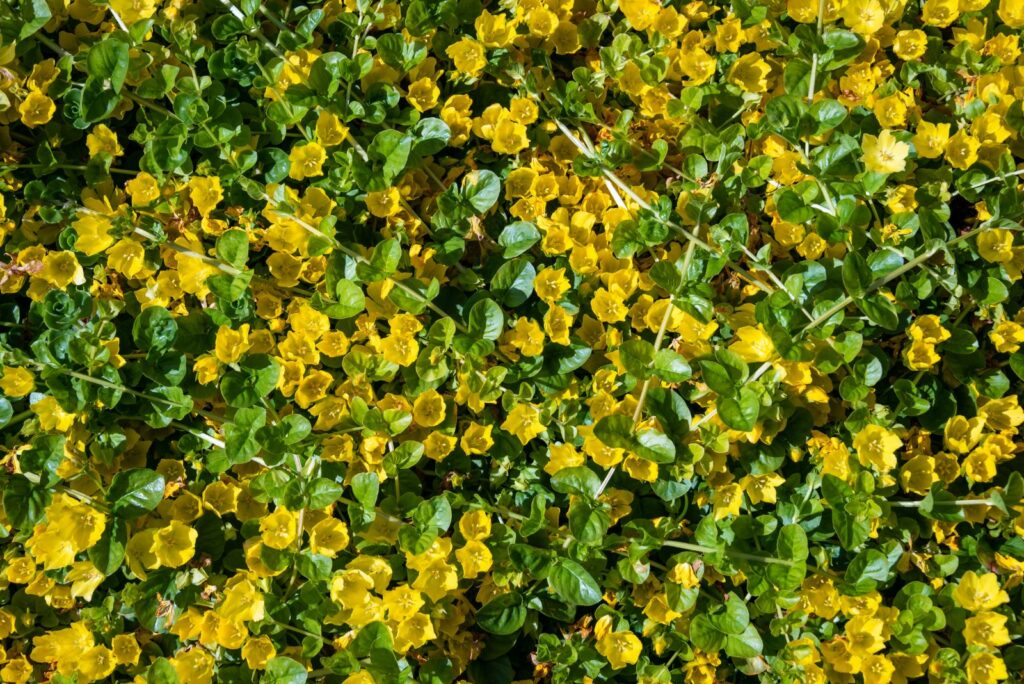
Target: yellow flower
pixel 399 350
pixel 509 137
pixel 231 345
pixel 910 45
pixel 438 446
pixel 524 422
pixel 194 666
pixel 620 648
pixel 36 109
pixel 258 651
pixel 103 140
pixel 143 189
pixel 550 284
pixel 127 257
pixel 877 669
pixel 753 344
pixel 429 410
pixel 761 488
pixel 1002 414
pixel 865 635
pixel 1007 336
pixel 684 575
pixel 494 30
pixel 962 150
pixel 328 537
pixel 884 153
pixel 475 525
pixel 640 13
pixel 96 663
pixel 750 73
pixel 607 307
pixel 402 602
pixel 132 11
pixel 930 139
pixel 475 559
pixel 920 355
pixel 126 649
pixel 436 580
pixel 561 456
pixel 93 232
pixel 423 94
pixel 16 382
pixel 175 544
pixel 1012 13
pixel 940 13
pixel 727 500
pixel 918 474
pixel 876 446
pixel 205 193
pixel 978 593
pixel 278 530
pixel 330 131
pixel 469 56
pixel 995 245
pixel 865 17
pixel 384 203
pixel 306 161
pixel 985 668
pixel 986 629
pixel 477 440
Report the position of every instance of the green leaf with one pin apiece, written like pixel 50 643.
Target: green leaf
pixel 24 502
pixel 135 492
pixel 880 310
pixel 365 487
pixel 233 247
pixel 393 148
pixel 856 274
pixel 517 238
pixel 240 435
pixel 255 379
pixel 282 670
pixel 655 446
pixel 615 431
pixel 34 15
pixel 513 282
pixel 573 584
pixel 734 619
pixel 162 672
pixel 383 262
pixel 108 553
pixel 671 366
pixel 637 356
pixel 155 330
pixel 580 480
pixel 740 410
pixel 503 615
pixel 481 189
pixel 107 61
pixel 486 320
pixel 322 492
pixel 748 644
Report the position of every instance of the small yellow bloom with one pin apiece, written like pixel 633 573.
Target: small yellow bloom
pixel 306 161
pixel 620 648
pixel 36 109
pixel 750 73
pixel 884 153
pixel 978 593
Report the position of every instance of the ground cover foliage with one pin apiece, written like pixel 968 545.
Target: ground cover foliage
pixel 432 341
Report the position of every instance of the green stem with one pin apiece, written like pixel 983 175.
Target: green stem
pixel 698 548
